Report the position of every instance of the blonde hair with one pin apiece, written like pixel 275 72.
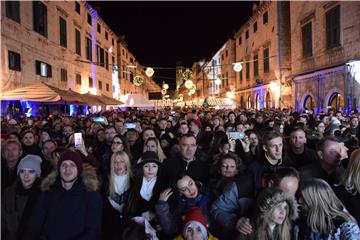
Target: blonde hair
pixel 122 155
pixel 281 232
pixel 351 180
pixel 267 201
pixel 159 150
pixel 323 205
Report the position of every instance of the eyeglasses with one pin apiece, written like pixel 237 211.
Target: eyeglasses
pixel 117 143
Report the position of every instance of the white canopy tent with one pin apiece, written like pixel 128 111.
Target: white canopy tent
pixel 42 92
pixel 136 100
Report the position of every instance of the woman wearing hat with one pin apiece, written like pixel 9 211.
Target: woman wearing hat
pixel 19 198
pixel 275 213
pixel 149 182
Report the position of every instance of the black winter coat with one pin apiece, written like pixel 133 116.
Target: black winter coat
pixel 63 215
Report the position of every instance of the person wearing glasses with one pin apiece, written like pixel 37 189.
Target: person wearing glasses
pixel 118 144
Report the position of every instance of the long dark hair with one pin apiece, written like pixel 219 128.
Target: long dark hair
pixel 131 204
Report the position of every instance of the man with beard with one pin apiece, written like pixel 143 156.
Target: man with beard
pixel 69 206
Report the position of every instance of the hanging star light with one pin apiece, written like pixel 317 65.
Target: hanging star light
pixel 237 67
pixel 217 81
pixel 138 81
pixel 149 72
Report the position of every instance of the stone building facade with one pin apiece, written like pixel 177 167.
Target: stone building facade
pixel 227 75
pixel 65 44
pixel 325 55
pixel 262 45
pixel 128 68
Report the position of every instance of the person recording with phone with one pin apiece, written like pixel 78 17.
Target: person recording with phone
pixel 78 145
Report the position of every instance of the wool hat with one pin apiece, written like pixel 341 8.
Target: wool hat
pixel 194 216
pixel 12 122
pixel 149 156
pixel 197 122
pixel 72 156
pixel 32 162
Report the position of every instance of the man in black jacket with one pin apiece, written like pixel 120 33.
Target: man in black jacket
pixel 298 154
pixel 268 161
pixel 189 161
pixel 69 206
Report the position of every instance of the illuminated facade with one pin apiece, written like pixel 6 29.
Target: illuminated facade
pixel 325 55
pixel 263 46
pixel 227 75
pixel 64 44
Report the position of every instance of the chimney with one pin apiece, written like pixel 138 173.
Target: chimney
pixel 254 8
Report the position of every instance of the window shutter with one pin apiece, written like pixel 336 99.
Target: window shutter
pixel 49 73
pixel 37 67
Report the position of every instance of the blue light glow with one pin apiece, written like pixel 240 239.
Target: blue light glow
pixel 27 105
pixel 72 109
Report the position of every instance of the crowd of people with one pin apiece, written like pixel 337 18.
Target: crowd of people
pixel 181 174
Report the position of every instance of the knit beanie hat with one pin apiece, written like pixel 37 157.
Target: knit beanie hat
pixel 195 217
pixel 72 156
pixel 197 122
pixel 32 162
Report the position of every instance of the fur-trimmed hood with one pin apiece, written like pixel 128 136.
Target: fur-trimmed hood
pixel 88 177
pixel 269 198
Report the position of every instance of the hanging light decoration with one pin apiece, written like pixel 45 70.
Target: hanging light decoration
pixel 163 91
pixel 237 67
pixel 166 86
pixel 149 72
pixel 188 84
pixel 192 91
pixel 138 81
pixel 217 81
pixel 187 76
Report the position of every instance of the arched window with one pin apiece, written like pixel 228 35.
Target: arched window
pixel 249 102
pixel 309 102
pixel 257 102
pixel 336 101
pixel 267 101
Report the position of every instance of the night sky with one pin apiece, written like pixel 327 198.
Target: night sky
pixel 160 34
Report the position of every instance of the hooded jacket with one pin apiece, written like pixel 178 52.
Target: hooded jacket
pixel 266 202
pixel 61 214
